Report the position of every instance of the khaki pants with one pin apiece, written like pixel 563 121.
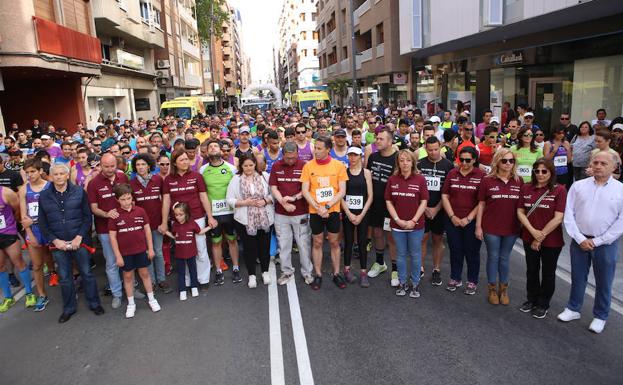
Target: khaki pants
pixel 288 227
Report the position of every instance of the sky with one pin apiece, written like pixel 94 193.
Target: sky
pixel 259 34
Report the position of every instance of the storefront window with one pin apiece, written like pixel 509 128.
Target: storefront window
pixel 428 90
pixel 460 97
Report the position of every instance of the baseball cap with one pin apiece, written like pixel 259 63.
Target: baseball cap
pixel 339 132
pixel 180 125
pixel 495 119
pixel 617 127
pixel 354 150
pixel 305 114
pixel 245 129
pixel 528 114
pixel 434 119
pixel 45 137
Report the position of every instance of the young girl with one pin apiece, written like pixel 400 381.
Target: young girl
pixel 184 231
pixel 130 237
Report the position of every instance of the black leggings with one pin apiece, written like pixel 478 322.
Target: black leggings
pixel 254 247
pixel 362 241
pixel 541 274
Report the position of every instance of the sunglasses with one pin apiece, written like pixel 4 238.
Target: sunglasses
pixel 466 160
pixel 564 118
pixel 540 171
pixel 527 135
pixel 468 129
pixel 126 153
pixel 507 161
pixel 96 144
pixel 164 164
pixel 492 136
pixel 301 132
pixel 539 135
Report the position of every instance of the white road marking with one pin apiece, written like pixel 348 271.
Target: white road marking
pixel 277 375
pixel 298 332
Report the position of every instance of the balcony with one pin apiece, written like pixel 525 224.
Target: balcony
pixel 344 66
pixel 323 74
pixel 190 48
pixel 227 51
pixel 231 91
pixel 322 44
pixel 110 20
pixel 229 77
pixel 363 57
pixel 192 80
pixel 380 50
pixel 363 8
pixel 331 69
pixel 331 37
pixel 58 40
pixel 186 14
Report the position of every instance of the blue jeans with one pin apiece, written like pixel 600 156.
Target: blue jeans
pixel 408 243
pixel 112 270
pixel 463 245
pixel 604 260
pixel 158 262
pixel 64 261
pixel 498 254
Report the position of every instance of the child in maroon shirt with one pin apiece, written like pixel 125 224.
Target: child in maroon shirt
pixel 130 238
pixel 184 230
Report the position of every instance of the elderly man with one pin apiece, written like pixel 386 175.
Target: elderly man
pixel 65 220
pixel 594 219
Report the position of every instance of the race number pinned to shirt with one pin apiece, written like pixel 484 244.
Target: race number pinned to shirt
pixel 324 194
pixel 386 225
pixel 560 161
pixel 33 209
pixel 524 171
pixel 354 202
pixel 220 206
pixel 433 183
pixel 2 222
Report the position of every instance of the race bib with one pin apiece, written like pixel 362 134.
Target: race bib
pixel 324 194
pixel 433 183
pixel 486 169
pixel 386 225
pixel 2 222
pixel 560 160
pixel 524 171
pixel 354 202
pixel 33 209
pixel 219 206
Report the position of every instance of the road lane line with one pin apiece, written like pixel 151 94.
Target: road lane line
pixel 277 376
pixel 298 332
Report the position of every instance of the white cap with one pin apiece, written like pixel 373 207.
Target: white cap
pixel 618 126
pixel 354 150
pixel 435 119
pixel 528 114
pixel 245 129
pixel 45 136
pixel 495 119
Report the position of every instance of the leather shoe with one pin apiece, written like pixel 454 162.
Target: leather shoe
pixel 64 317
pixel 98 310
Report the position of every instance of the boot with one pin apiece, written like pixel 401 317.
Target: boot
pixel 504 300
pixel 493 294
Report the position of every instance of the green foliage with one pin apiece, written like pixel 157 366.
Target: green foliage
pixel 339 87
pixel 220 18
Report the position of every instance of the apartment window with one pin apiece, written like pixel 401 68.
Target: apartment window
pixel 315 52
pixel 513 11
pixel 417 40
pixel 302 16
pixel 76 15
pixel 343 16
pixel 344 52
pixel 44 9
pixel 105 52
pixel 313 16
pixel 380 34
pixel 492 11
pixel 304 52
pixel 304 35
pixel 155 17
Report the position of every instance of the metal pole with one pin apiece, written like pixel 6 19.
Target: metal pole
pixel 211 57
pixel 288 68
pixel 353 55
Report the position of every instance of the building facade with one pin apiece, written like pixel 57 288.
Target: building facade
pixel 554 56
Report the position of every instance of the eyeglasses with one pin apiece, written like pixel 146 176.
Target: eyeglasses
pixel 506 161
pixel 466 160
pixel 528 117
pixel 164 164
pixel 561 118
pixel 540 171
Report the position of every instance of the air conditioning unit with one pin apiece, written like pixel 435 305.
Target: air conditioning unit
pixel 163 64
pixel 163 74
pixel 163 82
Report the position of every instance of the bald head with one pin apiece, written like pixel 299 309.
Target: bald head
pixel 108 163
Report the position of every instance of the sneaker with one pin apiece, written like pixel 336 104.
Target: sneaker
pixel 363 280
pixel 394 282
pixel 527 307
pixel 219 278
pixel 116 302
pixel 415 292
pixel 53 279
pixel 401 290
pixel 154 305
pixel 31 300
pixel 308 279
pixel 252 282
pixel 597 325
pixel 316 283
pixel 194 292
pixel 236 277
pixel 183 295
pixel 470 289
pixel 6 304
pixel 41 303
pixel 453 285
pixel 224 265
pixel 349 276
pixel 539 312
pixel 284 278
pixel 377 269
pixel 130 310
pixel 339 281
pixel 436 280
pixel 568 315
pixel 266 278
pixel 165 287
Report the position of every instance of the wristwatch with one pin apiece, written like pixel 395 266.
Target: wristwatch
pixel 327 206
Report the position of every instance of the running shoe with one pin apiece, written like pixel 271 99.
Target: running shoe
pixel 219 278
pixel 527 307
pixel 284 278
pixel 363 280
pixel 165 287
pixel 436 279
pixel 266 278
pixel 252 282
pixel 42 302
pixel 339 281
pixel 453 285
pixel 539 312
pixel 53 279
pixel 183 295
pixel 224 265
pixel 6 304
pixel 415 291
pixel 470 289
pixel 13 280
pixel 130 310
pixel 236 277
pixel 154 305
pixel 394 282
pixel 31 300
pixel 349 276
pixel 194 292
pixel 377 269
pixel 308 279
pixel 317 282
pixel 402 290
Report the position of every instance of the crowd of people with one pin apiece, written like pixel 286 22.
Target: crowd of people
pixel 205 194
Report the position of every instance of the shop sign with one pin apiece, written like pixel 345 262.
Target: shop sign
pixel 509 59
pixel 384 79
pixel 400 78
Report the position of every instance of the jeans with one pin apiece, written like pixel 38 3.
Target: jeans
pixel 604 260
pixel 408 243
pixel 181 265
pixel 112 270
pixel 286 228
pixel 157 263
pixel 542 262
pixel 64 260
pixel 498 254
pixel 463 245
pixel 255 247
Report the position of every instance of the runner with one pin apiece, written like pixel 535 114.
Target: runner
pixel 486 149
pixel 340 147
pixel 558 150
pixel 526 153
pixel 272 152
pixel 324 186
pixel 305 149
pixel 244 147
pixel 217 175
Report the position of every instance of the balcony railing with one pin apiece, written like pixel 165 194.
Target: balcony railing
pixel 344 66
pixel 62 41
pixel 363 56
pixel 363 8
pixel 380 50
pixel 192 80
pixel 190 48
pixel 331 37
pixel 332 68
pixel 187 15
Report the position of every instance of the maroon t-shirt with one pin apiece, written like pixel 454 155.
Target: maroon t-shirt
pixel 288 182
pixel 501 202
pixel 100 192
pixel 462 190
pixel 553 201
pixel 185 245
pixel 406 195
pixel 130 228
pixel 149 198
pixel 186 188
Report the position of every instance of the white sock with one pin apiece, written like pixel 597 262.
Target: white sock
pixel 131 300
pixel 236 267
pixel 219 271
pixel 150 296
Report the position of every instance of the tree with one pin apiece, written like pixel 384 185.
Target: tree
pixel 220 17
pixel 339 87
pixel 218 94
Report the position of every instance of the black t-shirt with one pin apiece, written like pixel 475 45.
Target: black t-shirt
pixel 381 168
pixel 28 144
pixel 435 174
pixel 401 142
pixel 11 179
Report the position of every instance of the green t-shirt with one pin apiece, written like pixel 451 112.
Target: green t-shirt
pixel 216 180
pixel 525 160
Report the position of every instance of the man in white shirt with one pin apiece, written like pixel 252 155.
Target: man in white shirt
pixel 594 220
